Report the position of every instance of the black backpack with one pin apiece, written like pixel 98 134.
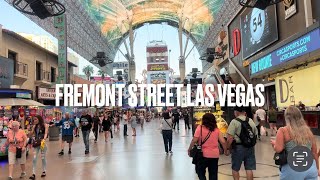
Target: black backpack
pixel 247 136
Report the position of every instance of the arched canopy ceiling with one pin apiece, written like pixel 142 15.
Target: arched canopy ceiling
pixel 115 16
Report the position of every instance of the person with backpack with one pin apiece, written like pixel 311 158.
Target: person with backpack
pixel 241 139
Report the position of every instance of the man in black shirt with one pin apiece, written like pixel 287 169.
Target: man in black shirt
pixel 96 122
pixel 176 118
pixel 86 125
pixel 186 119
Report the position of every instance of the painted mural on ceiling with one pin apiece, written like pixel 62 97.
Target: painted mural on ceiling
pixel 115 16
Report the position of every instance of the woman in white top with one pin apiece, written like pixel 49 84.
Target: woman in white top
pixel 166 127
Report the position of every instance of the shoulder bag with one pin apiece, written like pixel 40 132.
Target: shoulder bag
pixel 281 158
pixel 196 152
pixel 18 149
pixel 37 141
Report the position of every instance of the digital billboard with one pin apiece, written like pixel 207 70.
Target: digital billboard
pixel 258 29
pixel 303 45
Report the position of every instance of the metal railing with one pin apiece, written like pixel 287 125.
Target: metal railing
pixel 43 76
pixel 21 69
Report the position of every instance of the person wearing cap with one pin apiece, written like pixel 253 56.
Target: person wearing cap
pixel 240 153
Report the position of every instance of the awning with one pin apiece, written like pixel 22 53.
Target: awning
pixel 18 102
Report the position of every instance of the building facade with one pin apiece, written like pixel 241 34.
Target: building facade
pixel 33 67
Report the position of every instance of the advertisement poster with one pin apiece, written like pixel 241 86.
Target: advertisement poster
pixel 291 87
pixel 198 112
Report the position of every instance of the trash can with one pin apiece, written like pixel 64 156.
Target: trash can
pixel 54 133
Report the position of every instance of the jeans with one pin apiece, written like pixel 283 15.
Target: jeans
pixel 212 165
pixel 242 154
pixel 95 132
pixel 111 132
pixel 259 129
pixel 35 159
pixel 176 122
pixel 167 139
pixel 125 129
pixel 85 135
pixel 186 122
pixel 288 173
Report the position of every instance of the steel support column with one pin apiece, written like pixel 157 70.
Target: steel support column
pixel 132 65
pixel 182 68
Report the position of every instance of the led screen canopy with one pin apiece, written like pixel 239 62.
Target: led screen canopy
pixel 114 16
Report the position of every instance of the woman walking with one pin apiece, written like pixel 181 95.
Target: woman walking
pixel 208 135
pixel 272 120
pixel 166 128
pixel 133 120
pixel 40 133
pixel 296 133
pixel 106 125
pixel 17 141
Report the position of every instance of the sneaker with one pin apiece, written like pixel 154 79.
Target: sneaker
pixel 33 176
pixel 86 152
pixel 69 152
pixel 43 174
pixel 171 152
pixel 9 178
pixel 61 153
pixel 23 174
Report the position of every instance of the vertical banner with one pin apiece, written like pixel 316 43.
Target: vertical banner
pixel 61 23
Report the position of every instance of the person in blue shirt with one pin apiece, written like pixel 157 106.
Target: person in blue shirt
pixel 68 124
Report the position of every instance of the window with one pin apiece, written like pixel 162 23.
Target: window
pixel 53 74
pixel 13 55
pixel 38 70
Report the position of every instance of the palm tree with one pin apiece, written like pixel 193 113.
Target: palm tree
pixel 102 74
pixel 88 71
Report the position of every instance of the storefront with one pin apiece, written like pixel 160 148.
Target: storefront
pixel 293 67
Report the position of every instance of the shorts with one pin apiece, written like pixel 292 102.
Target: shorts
pixel 68 138
pixel 12 158
pixel 242 154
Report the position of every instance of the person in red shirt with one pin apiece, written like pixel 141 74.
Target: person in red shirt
pixel 210 147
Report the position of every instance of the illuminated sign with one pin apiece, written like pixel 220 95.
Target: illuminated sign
pixel 305 44
pixel 23 95
pixel 258 30
pixel 157 67
pixel 236 41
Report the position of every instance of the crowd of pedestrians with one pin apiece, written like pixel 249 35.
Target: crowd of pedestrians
pixel 207 145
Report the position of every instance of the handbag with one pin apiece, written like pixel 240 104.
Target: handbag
pixel 36 143
pixel 281 158
pixel 18 149
pixel 196 152
pixel 18 152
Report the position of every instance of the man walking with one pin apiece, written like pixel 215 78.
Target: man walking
pixel 261 117
pixel 242 136
pixel 176 118
pixel 125 123
pixel 68 125
pixel 186 119
pixel 86 125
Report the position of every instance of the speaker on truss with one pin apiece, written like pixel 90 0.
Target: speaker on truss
pixel 41 8
pixel 260 4
pixel 101 63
